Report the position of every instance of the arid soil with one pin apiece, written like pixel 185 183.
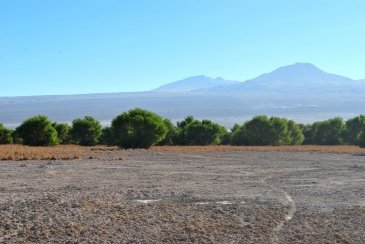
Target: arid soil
pixel 189 194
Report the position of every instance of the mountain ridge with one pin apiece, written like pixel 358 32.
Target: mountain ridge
pixel 298 77
pixel 194 83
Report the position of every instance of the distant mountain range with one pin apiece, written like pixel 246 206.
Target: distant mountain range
pixel 300 91
pixel 299 77
pixel 195 83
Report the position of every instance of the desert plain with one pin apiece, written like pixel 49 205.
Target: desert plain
pixel 214 194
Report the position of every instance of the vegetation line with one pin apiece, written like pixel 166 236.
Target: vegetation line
pixel 139 128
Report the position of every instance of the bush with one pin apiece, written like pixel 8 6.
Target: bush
pixel 256 131
pixel 138 128
pixel 86 131
pixel 171 135
pixel 265 131
pixel 191 131
pixel 329 132
pixel 181 127
pixel 106 137
pixel 203 132
pixel 279 132
pixel 63 132
pixel 353 129
pixel 37 131
pixel 295 133
pixel 308 132
pixel 237 137
pixel 5 135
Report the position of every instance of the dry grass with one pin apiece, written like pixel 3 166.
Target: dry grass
pixel 208 149
pixel 20 152
pixel 70 152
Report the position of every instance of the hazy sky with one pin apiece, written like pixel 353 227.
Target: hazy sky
pixel 90 46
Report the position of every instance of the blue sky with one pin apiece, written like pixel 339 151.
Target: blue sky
pixel 92 46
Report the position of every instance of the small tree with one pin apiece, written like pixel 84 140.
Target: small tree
pixel 295 133
pixel 181 129
pixel 238 135
pixel 329 132
pixel 5 135
pixel 264 131
pixel 279 133
pixel 106 137
pixel 203 132
pixel 63 132
pixel 138 128
pixel 353 129
pixel 37 131
pixel 171 135
pixel 86 131
pixel 308 132
pixel 257 131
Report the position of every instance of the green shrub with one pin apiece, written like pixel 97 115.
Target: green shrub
pixel 106 137
pixel 181 128
pixel 296 136
pixel 86 131
pixel 353 129
pixel 63 132
pixel 265 131
pixel 138 128
pixel 329 132
pixel 308 132
pixel 237 137
pixel 171 135
pixel 37 131
pixel 5 135
pixel 203 132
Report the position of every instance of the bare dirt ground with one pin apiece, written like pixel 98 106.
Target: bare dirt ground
pixel 189 194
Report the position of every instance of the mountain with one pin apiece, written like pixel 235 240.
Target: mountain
pixel 300 91
pixel 195 83
pixel 298 78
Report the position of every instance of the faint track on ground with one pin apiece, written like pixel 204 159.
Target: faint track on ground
pixel 288 216
pixel 288 199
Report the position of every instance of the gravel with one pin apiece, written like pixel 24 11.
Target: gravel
pixel 185 196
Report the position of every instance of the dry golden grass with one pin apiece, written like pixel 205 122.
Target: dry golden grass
pixel 20 152
pixel 70 152
pixel 208 149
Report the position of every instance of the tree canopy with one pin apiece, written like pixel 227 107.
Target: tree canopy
pixel 5 135
pixel 37 131
pixel 138 128
pixel 86 131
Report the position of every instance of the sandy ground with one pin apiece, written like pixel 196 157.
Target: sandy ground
pixel 154 196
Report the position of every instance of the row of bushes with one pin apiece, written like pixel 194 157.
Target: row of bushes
pixel 140 128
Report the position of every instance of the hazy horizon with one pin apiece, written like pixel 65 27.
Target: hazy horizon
pixel 81 47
